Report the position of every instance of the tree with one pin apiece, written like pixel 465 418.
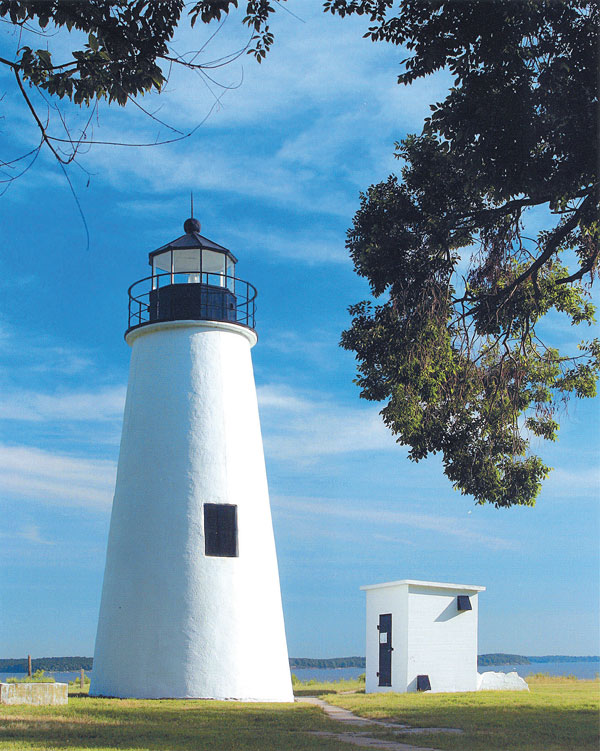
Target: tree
pixel 455 344
pixel 127 53
pixel 458 354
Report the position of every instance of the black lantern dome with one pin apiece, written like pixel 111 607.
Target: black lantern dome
pixel 193 278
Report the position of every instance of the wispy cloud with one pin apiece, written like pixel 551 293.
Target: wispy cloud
pixel 32 533
pixel 311 347
pixel 304 428
pixel 56 479
pixel 286 136
pixel 569 484
pixel 382 521
pixel 39 354
pixel 313 245
pixel 88 406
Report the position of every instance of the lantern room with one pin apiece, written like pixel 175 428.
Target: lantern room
pixel 193 278
pixel 203 260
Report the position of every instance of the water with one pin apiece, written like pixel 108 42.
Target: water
pixel 327 674
pixel 580 669
pixel 583 670
pixel 71 675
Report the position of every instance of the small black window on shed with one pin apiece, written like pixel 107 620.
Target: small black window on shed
pixel 463 602
pixel 220 530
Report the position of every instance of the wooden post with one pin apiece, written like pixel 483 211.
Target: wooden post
pixel 82 679
pixel 29 665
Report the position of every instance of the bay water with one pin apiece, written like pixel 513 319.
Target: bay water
pixel 580 669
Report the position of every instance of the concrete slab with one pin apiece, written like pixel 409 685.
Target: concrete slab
pixel 34 693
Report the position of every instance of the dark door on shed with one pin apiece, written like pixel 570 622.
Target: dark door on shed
pixel 385 649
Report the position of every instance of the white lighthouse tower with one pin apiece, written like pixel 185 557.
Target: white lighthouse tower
pixel 191 605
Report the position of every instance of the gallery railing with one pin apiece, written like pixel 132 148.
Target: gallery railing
pixel 190 295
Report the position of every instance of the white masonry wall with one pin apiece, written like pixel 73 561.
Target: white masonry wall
pixel 174 622
pixel 442 641
pixel 429 635
pixel 381 601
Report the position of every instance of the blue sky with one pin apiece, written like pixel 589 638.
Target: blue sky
pixel 276 171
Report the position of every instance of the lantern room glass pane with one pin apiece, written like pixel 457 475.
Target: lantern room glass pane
pixel 213 263
pixel 230 265
pixel 187 260
pixel 161 262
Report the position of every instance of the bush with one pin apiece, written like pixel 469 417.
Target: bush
pixel 77 682
pixel 38 677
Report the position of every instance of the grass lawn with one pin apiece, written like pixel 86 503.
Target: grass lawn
pixel 558 715
pixel 166 725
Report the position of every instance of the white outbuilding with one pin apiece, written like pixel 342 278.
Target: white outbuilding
pixel 421 636
pixel 191 605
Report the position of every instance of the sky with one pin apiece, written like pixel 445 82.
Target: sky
pixel 277 164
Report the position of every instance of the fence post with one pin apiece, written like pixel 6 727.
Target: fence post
pixel 29 665
pixel 82 679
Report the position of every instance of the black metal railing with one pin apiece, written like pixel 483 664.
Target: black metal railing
pixel 190 295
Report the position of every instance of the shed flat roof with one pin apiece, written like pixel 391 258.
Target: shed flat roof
pixel 431 585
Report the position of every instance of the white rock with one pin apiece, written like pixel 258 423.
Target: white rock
pixel 501 682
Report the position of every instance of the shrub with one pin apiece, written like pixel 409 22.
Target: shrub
pixel 86 679
pixel 38 677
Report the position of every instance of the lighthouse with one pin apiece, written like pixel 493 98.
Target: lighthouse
pixel 191 604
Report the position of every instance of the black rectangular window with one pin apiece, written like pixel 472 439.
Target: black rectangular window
pixel 463 602
pixel 220 529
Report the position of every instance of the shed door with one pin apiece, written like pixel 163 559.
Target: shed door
pixel 385 649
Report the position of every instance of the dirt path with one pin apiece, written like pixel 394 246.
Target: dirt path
pixel 359 739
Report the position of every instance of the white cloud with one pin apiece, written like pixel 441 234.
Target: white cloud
pixel 585 482
pixel 313 245
pixel 39 354
pixel 303 429
pixel 56 479
pixel 317 347
pixel 32 533
pixel 367 515
pixel 89 406
pixel 281 397
pixel 233 170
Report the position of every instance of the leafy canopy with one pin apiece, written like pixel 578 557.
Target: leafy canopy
pixel 454 343
pixel 126 42
pixel 127 53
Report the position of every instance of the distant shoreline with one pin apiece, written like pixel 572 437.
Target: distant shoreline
pixel 66 664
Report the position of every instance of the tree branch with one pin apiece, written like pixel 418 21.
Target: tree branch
pixel 587 266
pixel 40 125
